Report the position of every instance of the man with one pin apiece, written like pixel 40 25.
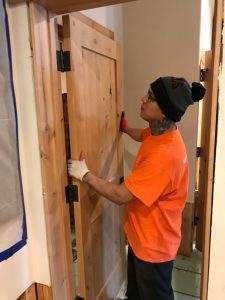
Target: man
pixel 155 191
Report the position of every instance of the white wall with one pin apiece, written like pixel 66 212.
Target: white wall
pixel 161 38
pixel 30 264
pixel 207 11
pixel 216 289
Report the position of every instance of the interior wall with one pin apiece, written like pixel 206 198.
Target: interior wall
pixel 207 10
pixel 160 40
pixel 216 287
pixel 30 264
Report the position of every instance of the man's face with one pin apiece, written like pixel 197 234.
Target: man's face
pixel 150 110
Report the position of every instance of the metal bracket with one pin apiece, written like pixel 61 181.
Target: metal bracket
pixel 63 60
pixel 121 179
pixel 196 220
pixel 198 152
pixel 71 193
pixel 202 74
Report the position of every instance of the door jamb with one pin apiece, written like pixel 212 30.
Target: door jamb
pixel 209 180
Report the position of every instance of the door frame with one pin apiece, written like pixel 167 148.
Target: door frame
pixel 50 132
pixel 209 142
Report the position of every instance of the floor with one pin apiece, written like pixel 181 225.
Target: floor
pixel 187 276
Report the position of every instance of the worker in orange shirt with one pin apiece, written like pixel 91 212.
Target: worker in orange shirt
pixel 155 191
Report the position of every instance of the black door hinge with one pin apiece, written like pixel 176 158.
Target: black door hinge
pixel 121 179
pixel 71 193
pixel 198 151
pixel 63 60
pixel 202 74
pixel 196 220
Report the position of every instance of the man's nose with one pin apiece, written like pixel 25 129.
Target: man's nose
pixel 144 99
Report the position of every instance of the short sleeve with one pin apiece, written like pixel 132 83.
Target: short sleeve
pixel 148 182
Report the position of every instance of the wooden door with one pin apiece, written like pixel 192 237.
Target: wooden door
pixel 204 152
pixel 94 106
pixel 208 139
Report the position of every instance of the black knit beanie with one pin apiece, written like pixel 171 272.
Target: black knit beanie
pixel 174 95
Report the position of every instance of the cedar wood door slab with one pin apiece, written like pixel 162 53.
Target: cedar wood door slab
pixel 94 107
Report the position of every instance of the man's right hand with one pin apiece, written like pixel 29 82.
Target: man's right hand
pixel 123 123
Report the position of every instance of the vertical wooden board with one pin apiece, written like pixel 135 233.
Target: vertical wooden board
pixel 93 118
pixel 61 162
pixel 43 292
pixel 187 230
pixel 205 141
pixel 51 139
pixel 122 210
pixel 210 132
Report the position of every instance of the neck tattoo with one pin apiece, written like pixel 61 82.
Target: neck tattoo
pixel 160 127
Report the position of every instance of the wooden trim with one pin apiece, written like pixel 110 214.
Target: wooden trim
pixel 216 48
pixel 29 294
pixel 43 292
pixel 52 151
pixel 66 6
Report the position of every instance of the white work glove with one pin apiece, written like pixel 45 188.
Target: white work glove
pixel 77 168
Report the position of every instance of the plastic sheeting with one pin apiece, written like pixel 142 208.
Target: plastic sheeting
pixel 13 232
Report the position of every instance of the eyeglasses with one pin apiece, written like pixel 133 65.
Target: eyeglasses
pixel 151 98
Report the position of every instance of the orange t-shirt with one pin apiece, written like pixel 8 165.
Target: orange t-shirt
pixel 159 181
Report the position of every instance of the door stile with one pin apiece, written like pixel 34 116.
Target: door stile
pixel 52 151
pixel 76 72
pixel 210 127
pixel 62 180
pixel 120 108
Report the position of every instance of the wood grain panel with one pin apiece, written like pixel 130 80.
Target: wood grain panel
pixel 43 292
pixel 187 229
pixel 66 6
pixel 93 39
pixel 205 142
